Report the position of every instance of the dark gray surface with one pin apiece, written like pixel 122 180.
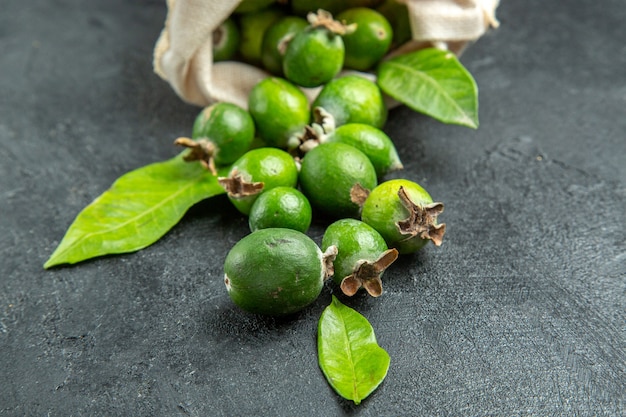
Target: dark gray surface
pixel 520 312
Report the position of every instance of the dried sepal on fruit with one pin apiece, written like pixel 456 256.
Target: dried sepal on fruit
pixel 362 256
pixel 367 275
pixel 403 213
pixel 201 151
pixel 237 187
pixel 422 220
pixel 325 19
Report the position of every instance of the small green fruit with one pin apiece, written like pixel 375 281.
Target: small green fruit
pixel 315 55
pixel 279 109
pixel 274 272
pixel 373 142
pixel 397 15
pixel 276 39
pixel 221 134
pixel 283 207
pixel 252 27
pixel 369 42
pixel 257 171
pixel 225 40
pixel 353 99
pixel 362 256
pixel 404 214
pixel 328 173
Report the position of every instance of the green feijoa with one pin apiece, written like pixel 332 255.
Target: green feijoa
pixel 257 171
pixel 249 6
pixel 279 109
pixel 371 40
pixel 353 99
pixel 222 133
pixel 252 27
pixel 315 55
pixel 373 142
pixel 362 256
pixel 276 39
pixel 404 214
pixel 328 173
pixel 274 272
pixel 397 14
pixel 225 40
pixel 284 207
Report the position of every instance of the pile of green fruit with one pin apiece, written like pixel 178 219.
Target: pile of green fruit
pixel 290 159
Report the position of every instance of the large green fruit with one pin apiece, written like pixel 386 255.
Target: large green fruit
pixel 274 272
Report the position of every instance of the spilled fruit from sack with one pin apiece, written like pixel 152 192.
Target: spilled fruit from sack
pixel 275 271
pixel 404 214
pixel 353 99
pixel 276 39
pixel 221 134
pixel 315 55
pixel 257 171
pixel 373 142
pixel 328 173
pixel 279 109
pixel 284 207
pixel 371 40
pixel 362 256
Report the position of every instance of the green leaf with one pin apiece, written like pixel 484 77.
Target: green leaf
pixel 139 208
pixel 349 355
pixel 433 82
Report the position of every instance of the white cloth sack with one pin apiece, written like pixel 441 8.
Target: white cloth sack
pixel 183 56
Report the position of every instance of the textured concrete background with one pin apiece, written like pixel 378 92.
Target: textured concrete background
pixel 520 312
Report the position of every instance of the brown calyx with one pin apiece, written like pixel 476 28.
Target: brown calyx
pixel 328 258
pixel 325 19
pixel 237 187
pixel 358 194
pixel 367 274
pixel 422 220
pixel 200 150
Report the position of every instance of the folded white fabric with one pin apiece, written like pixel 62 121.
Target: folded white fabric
pixel 183 56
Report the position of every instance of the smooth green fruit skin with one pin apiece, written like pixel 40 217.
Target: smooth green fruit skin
pixel 279 109
pixel 252 27
pixel 225 41
pixel 353 99
pixel 397 14
pixel 274 272
pixel 328 173
pixel 284 207
pixel 383 209
pixel 276 38
pixel 302 7
pixel 355 241
pixel 248 6
pixel 313 57
pixel 271 166
pixel 373 142
pixel 229 127
pixel 371 40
